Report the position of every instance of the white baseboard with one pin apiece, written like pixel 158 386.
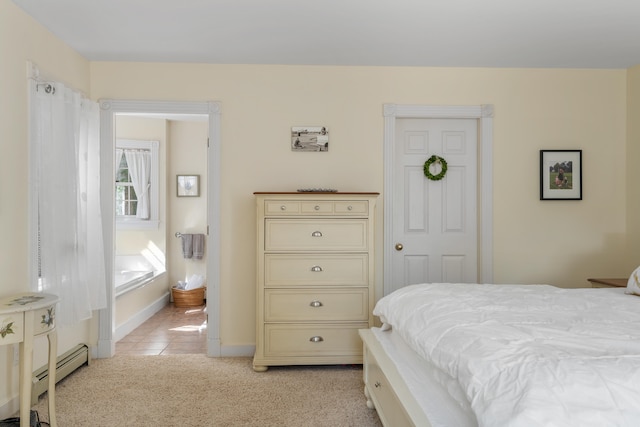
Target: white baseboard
pixel 140 317
pixel 237 351
pixel 10 408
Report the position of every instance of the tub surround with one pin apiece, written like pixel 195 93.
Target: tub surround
pixel 132 272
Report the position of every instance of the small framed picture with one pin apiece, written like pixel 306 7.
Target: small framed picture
pixel 188 185
pixel 560 174
pixel 309 138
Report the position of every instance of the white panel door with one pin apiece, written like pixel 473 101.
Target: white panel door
pixel 435 222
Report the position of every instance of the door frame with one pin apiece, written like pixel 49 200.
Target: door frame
pixel 108 109
pixel 484 115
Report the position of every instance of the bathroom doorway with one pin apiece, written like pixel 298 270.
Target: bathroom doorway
pixel 187 137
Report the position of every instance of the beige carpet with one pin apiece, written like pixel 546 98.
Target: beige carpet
pixel 194 390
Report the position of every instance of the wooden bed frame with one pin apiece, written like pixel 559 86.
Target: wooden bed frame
pixel 385 389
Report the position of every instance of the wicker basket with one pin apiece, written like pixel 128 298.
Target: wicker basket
pixel 190 298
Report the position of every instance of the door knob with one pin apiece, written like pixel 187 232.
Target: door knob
pixel 399 246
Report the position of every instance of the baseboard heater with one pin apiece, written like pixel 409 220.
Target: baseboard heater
pixel 66 364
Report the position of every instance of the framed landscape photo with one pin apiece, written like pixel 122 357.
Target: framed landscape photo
pixel 560 174
pixel 188 185
pixel 309 138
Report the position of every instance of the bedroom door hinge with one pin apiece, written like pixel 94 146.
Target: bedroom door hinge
pixel 207 142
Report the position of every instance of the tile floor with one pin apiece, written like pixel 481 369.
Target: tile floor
pixel 172 330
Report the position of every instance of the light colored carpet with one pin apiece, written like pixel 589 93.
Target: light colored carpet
pixel 194 390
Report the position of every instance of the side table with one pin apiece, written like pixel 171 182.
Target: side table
pixel 23 317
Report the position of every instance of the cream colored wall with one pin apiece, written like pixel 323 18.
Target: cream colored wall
pixel 133 242
pixel 558 242
pixel 22 40
pixel 632 162
pixel 187 155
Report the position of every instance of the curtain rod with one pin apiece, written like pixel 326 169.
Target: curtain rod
pixel 48 87
pixel 48 81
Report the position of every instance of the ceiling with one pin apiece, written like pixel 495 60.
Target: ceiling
pixel 441 33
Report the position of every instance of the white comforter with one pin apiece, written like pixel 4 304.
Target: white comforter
pixel 531 355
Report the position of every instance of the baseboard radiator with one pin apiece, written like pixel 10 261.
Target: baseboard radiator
pixel 66 364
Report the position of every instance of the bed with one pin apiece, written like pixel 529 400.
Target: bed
pixel 468 355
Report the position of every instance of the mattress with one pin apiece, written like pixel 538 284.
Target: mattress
pixel 440 396
pixel 528 355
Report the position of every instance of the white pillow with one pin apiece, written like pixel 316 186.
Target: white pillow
pixel 633 285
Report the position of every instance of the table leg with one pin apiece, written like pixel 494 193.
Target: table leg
pixel 26 369
pixel 51 394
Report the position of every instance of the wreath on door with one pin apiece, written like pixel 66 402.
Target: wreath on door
pixel 427 168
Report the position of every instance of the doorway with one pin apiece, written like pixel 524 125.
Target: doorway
pixel 395 204
pixel 110 109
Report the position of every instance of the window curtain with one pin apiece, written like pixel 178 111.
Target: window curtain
pixel 139 163
pixel 117 160
pixel 66 131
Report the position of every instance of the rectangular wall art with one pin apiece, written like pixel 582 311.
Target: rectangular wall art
pixel 309 138
pixel 560 174
pixel 188 185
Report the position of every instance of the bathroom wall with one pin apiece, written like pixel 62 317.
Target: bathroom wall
pixel 187 155
pixel 134 242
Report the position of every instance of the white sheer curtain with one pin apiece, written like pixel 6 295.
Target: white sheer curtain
pixel 65 129
pixel 139 163
pixel 117 160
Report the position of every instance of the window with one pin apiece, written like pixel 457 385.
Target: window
pixel 136 184
pixel 126 199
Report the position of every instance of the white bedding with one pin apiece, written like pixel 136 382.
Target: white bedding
pixel 528 355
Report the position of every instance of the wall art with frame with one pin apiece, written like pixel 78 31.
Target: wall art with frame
pixel 560 174
pixel 188 185
pixel 309 138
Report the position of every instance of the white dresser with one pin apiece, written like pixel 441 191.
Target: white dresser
pixel 315 277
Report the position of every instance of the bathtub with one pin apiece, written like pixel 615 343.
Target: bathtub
pixel 131 272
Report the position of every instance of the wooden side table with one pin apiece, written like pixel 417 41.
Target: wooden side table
pixel 608 283
pixel 23 317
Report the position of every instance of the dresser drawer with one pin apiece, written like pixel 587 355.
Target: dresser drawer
pixel 11 328
pixel 316 305
pixel 297 270
pixel 389 408
pixel 43 320
pixel 316 235
pixel 316 207
pixel 313 340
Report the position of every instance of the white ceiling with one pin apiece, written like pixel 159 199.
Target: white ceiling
pixel 456 33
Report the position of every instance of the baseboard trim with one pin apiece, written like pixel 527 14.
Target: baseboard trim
pixel 66 364
pixel 237 351
pixel 140 317
pixel 10 408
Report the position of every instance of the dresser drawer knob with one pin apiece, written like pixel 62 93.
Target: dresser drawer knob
pixel 316 207
pixel 350 208
pixel 283 208
pixel 317 338
pixel 315 303
pixel 316 234
pixel 377 384
pixel 316 268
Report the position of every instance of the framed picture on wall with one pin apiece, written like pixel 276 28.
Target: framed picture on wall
pixel 309 138
pixel 560 174
pixel 188 185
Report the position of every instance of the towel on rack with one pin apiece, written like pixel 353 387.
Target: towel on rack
pixel 198 246
pixel 187 245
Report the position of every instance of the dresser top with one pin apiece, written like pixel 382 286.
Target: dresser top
pixel 316 192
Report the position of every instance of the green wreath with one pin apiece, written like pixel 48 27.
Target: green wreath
pixel 427 165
